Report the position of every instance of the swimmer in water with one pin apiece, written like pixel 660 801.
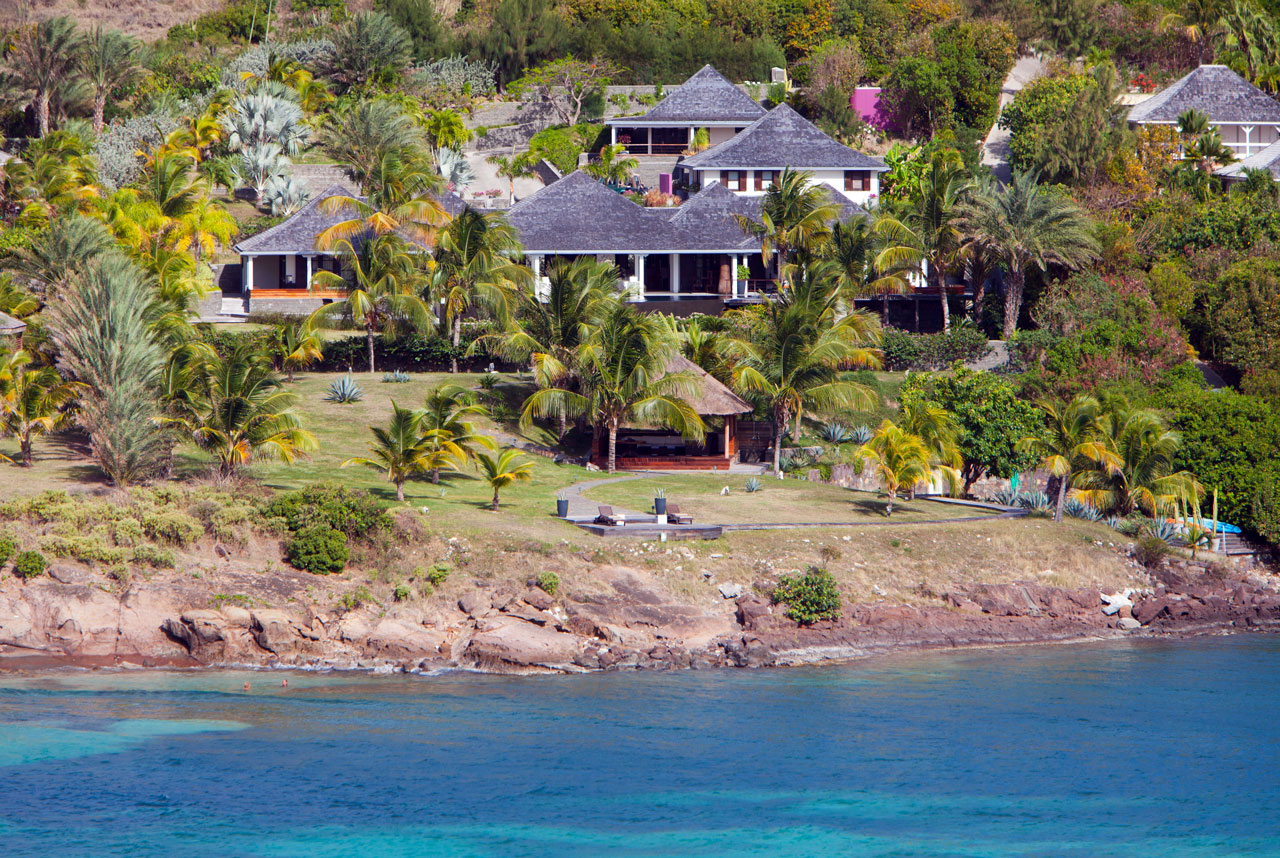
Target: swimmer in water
pixel 246 686
pixel 284 683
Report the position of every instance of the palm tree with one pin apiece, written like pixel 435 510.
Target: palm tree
pixel 474 267
pixel 202 227
pixel 503 469
pixel 399 449
pixel 512 167
pixel 109 59
pixel 621 376
pixel 401 202
pixel 938 431
pixel 933 214
pixel 1027 227
pixel 59 253
pixel 611 169
pixel 1134 467
pixel 296 347
pixel 547 329
pixel 795 215
pixel 1070 439
pixel 897 261
pixel 382 289
pixel 448 435
pixel 850 250
pixel 362 135
pixel 239 412
pixel 33 402
pixel 794 355
pixel 898 458
pixel 43 59
pixel 103 322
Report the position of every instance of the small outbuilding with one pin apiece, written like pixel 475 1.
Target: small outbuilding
pixel 1247 118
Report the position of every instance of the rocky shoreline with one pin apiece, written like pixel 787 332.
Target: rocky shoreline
pixel 504 628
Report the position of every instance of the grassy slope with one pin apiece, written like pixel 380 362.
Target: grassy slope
pixel 906 562
pixel 777 501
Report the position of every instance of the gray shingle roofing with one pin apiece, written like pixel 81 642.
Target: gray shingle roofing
pixel 579 215
pixel 297 233
pixel 706 97
pixel 1213 90
pixel 1266 159
pixel 782 138
pixel 10 325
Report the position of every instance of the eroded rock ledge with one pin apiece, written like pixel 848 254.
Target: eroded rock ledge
pixel 632 625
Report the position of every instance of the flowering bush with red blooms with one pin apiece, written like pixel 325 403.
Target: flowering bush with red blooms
pixel 1095 331
pixel 1142 82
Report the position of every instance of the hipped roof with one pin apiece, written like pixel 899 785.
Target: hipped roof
pixel 10 325
pixel 712 398
pixel 297 233
pixel 707 96
pixel 1265 159
pixel 1213 90
pixel 779 139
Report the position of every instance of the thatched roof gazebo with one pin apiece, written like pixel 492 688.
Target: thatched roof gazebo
pixel 642 448
pixel 11 331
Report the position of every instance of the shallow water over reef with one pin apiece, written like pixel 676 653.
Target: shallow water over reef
pixel 1126 749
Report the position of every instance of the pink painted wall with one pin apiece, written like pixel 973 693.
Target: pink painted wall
pixel 866 101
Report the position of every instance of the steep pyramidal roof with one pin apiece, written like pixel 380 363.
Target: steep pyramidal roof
pixel 1216 91
pixel 708 96
pixel 577 214
pixel 712 397
pixel 782 138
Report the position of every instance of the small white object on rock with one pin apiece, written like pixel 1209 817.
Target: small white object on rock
pixel 1116 601
pixel 1129 624
pixel 715 556
pixel 730 591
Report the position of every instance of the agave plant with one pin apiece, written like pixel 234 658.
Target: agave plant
pixel 1035 501
pixel 1076 508
pixel 397 377
pixel 1008 496
pixel 861 434
pixel 753 485
pixel 837 433
pixel 344 390
pixel 1161 529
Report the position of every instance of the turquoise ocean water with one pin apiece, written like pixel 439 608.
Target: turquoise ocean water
pixel 1133 749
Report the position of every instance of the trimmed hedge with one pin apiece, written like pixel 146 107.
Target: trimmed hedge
pixel 318 550
pixel 903 350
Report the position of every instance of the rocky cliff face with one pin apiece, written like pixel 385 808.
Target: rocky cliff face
pixel 630 623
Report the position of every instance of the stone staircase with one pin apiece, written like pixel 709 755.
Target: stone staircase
pixel 234 305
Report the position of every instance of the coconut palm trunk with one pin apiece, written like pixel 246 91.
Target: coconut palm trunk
pixel 24 444
pixel 494 505
pixel 888 509
pixel 613 447
pixel 368 334
pixel 779 431
pixel 400 490
pixel 795 433
pixel 1062 497
pixel 941 278
pixel 457 343
pixel 1014 283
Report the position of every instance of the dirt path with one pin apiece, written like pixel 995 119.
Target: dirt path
pixel 995 150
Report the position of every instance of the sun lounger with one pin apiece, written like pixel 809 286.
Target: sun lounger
pixel 606 516
pixel 675 516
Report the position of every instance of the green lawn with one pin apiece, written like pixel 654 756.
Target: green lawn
pixel 778 501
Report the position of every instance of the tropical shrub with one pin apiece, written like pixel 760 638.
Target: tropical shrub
pixel 810 597
pixel 8 548
pixel 906 351
pixel 29 564
pixel 1150 551
pixel 319 550
pixel 354 512
pixel 548 582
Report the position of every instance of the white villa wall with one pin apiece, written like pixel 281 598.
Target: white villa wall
pixel 832 178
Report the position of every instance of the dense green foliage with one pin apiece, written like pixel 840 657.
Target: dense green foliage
pixel 29 564
pixel 319 550
pixel 810 598
pixel 354 513
pixel 903 350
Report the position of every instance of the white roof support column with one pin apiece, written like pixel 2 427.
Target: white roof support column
pixel 675 272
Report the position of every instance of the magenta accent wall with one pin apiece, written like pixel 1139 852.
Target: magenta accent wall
pixel 866 101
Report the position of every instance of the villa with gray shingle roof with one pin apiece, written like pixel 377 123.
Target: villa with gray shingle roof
pixel 751 161
pixel 277 265
pixel 706 100
pixel 1247 118
pixel 1265 159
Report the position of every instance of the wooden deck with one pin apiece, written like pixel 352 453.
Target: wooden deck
pixel 669 463
pixel 322 294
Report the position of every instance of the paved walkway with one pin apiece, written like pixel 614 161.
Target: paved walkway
pixel 995 150
pixel 997 357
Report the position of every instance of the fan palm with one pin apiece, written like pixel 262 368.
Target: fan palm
pixel 399 449
pixel 1069 440
pixel 43 58
pixel 473 266
pixel 503 469
pixel 1134 467
pixel 239 412
pixel 108 59
pixel 33 401
pixel 621 376
pixel 795 215
pixel 795 352
pixel 450 437
pixel 383 292
pixel 898 457
pixel 1026 227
